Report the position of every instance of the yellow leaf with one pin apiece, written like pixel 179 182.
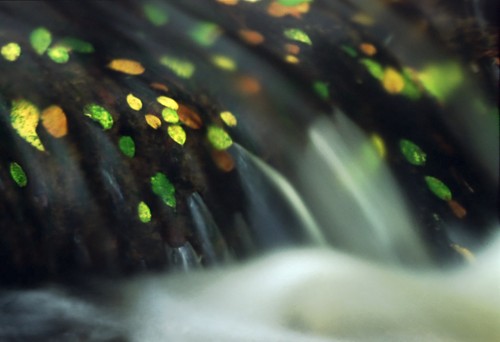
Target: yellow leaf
pixel 11 51
pixel 126 66
pixel 168 102
pixel 393 81
pixel 152 120
pixel 134 102
pixel 229 119
pixel 177 133
pixel 24 118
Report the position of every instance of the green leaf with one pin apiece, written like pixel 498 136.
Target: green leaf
pixel 438 188
pixel 298 35
pixel 40 40
pixel 412 152
pixel 374 68
pixel 163 188
pixel 144 212
pixel 291 3
pixel 181 67
pixel 77 45
pixel 18 175
pixel 170 115
pixel 99 114
pixel 58 54
pixel 127 146
pixel 205 33
pixel 156 15
pixel 219 139
pixel 321 88
pixel 349 50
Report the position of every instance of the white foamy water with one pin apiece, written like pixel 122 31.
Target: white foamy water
pixel 302 295
pixel 320 295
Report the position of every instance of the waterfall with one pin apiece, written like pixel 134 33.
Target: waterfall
pixel 354 195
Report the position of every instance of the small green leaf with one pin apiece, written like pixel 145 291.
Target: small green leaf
pixel 374 68
pixel 58 54
pixel 292 3
pixel 18 175
pixel 412 152
pixel 155 14
pixel 349 50
pixel 170 115
pixel 144 212
pixel 40 40
pixel 127 146
pixel 181 67
pixel 205 33
pixel 298 35
pixel 438 188
pixel 99 114
pixel 321 88
pixel 219 139
pixel 77 45
pixel 163 188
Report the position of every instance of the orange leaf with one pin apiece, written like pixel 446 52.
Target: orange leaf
pixel 223 160
pixel 159 86
pixel 251 37
pixel 189 117
pixel 276 9
pixel 55 122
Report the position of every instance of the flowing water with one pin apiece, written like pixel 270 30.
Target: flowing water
pixel 225 170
